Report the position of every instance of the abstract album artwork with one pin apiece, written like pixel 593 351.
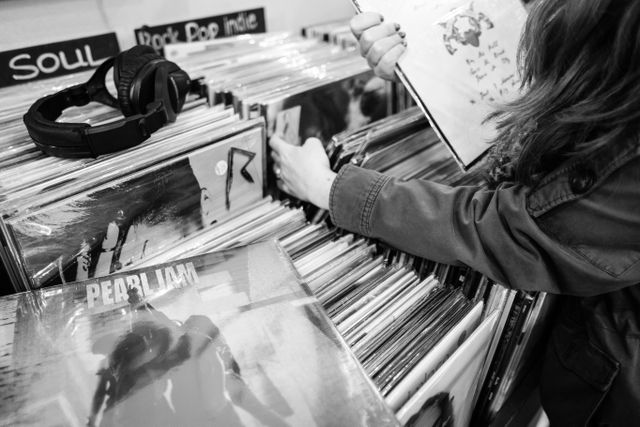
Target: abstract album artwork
pixel 460 64
pixel 225 339
pixel 121 222
pixel 324 111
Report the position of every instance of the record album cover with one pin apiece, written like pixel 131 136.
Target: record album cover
pixel 446 399
pixel 343 104
pixel 231 338
pixel 125 220
pixel 460 63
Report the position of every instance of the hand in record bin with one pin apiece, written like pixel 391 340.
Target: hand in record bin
pixel 302 172
pixel 126 220
pixel 338 105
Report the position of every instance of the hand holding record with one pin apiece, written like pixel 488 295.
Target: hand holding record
pixel 304 171
pixel 381 43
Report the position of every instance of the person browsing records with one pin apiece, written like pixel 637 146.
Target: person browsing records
pixel 561 212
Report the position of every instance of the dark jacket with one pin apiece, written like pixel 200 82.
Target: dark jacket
pixel 576 233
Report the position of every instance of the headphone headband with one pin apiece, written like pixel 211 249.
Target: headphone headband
pixel 152 85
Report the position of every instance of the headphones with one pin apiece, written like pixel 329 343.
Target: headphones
pixel 151 92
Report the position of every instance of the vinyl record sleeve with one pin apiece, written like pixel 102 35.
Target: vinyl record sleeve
pixel 352 259
pixel 392 127
pixel 412 334
pixel 398 152
pixel 509 337
pixel 128 219
pixel 333 292
pixel 447 396
pixel 434 359
pixel 513 369
pixel 460 63
pixel 408 359
pixel 399 310
pixel 370 314
pixel 334 295
pixel 230 338
pixel 333 107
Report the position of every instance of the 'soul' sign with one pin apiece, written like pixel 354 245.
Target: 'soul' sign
pixel 55 59
pixel 244 22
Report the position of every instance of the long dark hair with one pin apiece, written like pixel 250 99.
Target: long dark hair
pixel 580 66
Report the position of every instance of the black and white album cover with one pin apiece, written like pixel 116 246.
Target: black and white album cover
pixel 128 219
pixel 228 339
pixel 340 105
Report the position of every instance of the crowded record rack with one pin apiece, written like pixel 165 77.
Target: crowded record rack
pixel 429 336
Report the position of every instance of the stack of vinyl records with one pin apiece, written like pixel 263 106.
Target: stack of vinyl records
pixel 72 219
pixel 264 220
pixel 303 87
pixel 403 146
pixel 335 32
pixel 16 147
pixel 123 208
pixel 400 324
pixel 515 344
pixel 372 291
pixel 33 185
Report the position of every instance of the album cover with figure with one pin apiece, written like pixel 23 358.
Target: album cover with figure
pixel 460 64
pixel 123 221
pixel 229 338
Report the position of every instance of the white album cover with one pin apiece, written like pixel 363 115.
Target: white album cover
pixel 434 359
pixel 447 397
pixel 460 64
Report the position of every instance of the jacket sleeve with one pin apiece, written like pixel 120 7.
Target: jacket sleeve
pixel 490 231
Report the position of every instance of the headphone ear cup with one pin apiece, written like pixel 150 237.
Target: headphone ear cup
pixel 179 85
pixel 126 68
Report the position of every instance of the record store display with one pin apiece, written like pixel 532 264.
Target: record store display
pixel 60 196
pixel 62 224
pixel 230 338
pixel 323 327
pixel 141 213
